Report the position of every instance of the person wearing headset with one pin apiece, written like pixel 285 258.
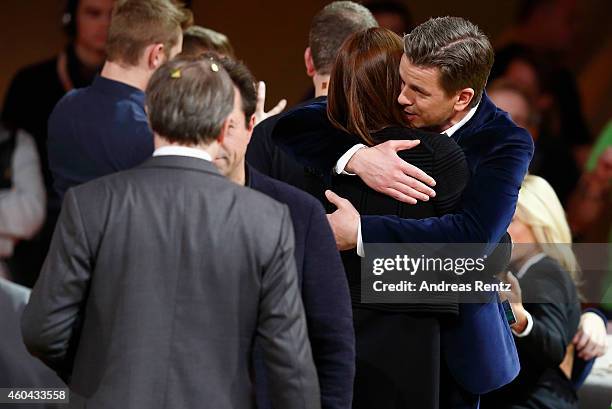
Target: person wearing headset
pixel 34 91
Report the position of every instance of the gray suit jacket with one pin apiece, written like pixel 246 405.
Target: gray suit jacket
pixel 156 284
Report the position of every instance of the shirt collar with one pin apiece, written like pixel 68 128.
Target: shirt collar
pixel 182 151
pixel 527 264
pixel 450 131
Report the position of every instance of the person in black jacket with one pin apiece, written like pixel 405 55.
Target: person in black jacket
pixel 35 89
pixel 545 301
pixel 321 275
pixel 31 96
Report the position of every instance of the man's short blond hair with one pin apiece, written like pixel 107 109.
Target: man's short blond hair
pixel 136 24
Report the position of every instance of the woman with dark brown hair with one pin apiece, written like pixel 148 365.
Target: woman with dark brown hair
pixel 397 345
pixel 399 362
pixel 364 84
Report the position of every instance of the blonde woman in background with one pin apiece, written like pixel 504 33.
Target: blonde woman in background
pixel 545 275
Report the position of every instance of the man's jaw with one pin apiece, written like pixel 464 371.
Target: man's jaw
pixel 409 117
pixel 413 120
pixel 222 163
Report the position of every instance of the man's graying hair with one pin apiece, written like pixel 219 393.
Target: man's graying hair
pixel 331 26
pixel 245 82
pixel 458 48
pixel 188 100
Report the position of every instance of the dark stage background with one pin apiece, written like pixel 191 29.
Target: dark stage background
pixel 270 36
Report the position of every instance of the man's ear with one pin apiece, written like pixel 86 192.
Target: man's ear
pixel 251 126
pixel 155 55
pixel 223 132
pixel 464 98
pixel 310 68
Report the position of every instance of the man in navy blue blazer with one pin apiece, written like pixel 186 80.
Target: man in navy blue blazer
pixel 321 274
pixel 444 72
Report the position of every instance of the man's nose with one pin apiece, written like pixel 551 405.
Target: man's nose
pixel 402 99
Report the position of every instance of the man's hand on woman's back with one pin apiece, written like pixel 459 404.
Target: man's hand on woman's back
pixel 384 171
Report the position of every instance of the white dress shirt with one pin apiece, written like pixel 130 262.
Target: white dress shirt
pixel 174 150
pixel 450 131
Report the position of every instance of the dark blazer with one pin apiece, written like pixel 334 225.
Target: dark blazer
pixel 551 298
pixel 324 293
pixel 498 154
pixel 265 155
pixel 173 280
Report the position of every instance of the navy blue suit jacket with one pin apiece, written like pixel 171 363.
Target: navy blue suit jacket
pixel 479 349
pixel 324 292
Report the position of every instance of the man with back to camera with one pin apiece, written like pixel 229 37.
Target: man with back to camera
pixel 103 128
pixel 444 70
pixel 321 274
pixel 159 279
pixel 329 28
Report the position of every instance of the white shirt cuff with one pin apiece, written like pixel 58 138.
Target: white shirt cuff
pixel 360 251
pixel 344 159
pixel 527 329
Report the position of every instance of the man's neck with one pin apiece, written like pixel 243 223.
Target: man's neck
pixel 88 57
pixel 238 174
pixel 321 84
pixel 455 119
pixel 134 76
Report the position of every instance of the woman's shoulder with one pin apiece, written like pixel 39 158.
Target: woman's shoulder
pixel 441 144
pixel 548 267
pixel 443 157
pixel 546 274
pixel 432 142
